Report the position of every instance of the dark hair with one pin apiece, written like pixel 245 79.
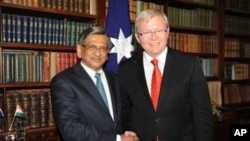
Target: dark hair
pixel 95 30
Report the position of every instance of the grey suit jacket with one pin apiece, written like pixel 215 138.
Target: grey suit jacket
pixel 79 110
pixel 184 110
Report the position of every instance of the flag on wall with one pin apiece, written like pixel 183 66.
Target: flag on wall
pixel 1 113
pixel 118 27
pixel 19 112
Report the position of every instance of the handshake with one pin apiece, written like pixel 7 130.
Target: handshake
pixel 129 136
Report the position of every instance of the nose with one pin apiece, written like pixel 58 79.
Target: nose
pixel 153 35
pixel 97 51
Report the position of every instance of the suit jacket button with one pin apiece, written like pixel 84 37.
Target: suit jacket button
pixel 157 119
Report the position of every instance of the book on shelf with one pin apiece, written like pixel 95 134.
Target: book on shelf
pixel 53 64
pixel 215 91
pixel 46 66
pixel 236 48
pixel 208 66
pixel 198 17
pixel 78 6
pixel 234 94
pixel 93 7
pixel 240 5
pixel 247 50
pixel 34 66
pixel 236 24
pixel 193 43
pixel 44 31
pixel 36 107
pixel 44 111
pixel 236 71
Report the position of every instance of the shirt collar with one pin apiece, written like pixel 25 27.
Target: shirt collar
pixel 90 71
pixel 161 57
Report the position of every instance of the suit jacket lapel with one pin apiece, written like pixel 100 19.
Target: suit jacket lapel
pixel 166 78
pixel 113 93
pixel 142 80
pixel 87 82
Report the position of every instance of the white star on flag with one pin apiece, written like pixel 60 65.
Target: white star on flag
pixel 122 46
pixel 118 28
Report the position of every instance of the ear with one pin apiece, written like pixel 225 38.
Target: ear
pixel 107 57
pixel 137 37
pixel 79 51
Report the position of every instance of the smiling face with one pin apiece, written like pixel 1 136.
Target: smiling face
pixel 156 32
pixel 92 52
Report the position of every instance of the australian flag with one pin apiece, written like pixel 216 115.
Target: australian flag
pixel 118 27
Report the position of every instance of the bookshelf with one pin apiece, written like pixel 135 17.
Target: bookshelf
pixel 236 43
pixel 37 41
pixel 194 28
pixel 225 24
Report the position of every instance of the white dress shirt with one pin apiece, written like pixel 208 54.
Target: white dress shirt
pixel 149 67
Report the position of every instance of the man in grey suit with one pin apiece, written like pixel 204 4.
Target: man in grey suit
pixel 181 109
pixel 81 113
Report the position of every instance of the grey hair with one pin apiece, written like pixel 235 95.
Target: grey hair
pixel 150 13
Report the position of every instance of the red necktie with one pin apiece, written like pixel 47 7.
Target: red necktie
pixel 155 83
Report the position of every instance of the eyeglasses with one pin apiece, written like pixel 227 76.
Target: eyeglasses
pixel 148 34
pixel 94 48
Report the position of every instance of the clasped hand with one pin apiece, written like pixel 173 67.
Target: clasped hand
pixel 129 136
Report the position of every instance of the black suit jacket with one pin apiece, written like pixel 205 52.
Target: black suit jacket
pixel 184 109
pixel 79 111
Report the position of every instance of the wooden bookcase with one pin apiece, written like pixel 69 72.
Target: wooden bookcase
pixel 229 23
pixel 30 31
pixel 195 28
pixel 236 47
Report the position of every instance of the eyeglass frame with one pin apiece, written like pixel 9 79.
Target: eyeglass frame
pixel 150 33
pixel 94 47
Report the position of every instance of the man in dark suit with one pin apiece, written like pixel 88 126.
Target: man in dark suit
pixel 81 113
pixel 181 109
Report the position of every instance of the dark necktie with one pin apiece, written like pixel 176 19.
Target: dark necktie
pixel 101 88
pixel 155 83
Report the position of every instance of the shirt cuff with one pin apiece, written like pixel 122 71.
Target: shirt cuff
pixel 118 137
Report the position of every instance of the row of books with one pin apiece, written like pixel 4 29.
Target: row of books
pixel 136 6
pixel 236 48
pixel 237 24
pixel 80 6
pixel 45 31
pixel 208 66
pixel 236 71
pixel 207 2
pixel 193 43
pixel 34 105
pixel 236 94
pixel 242 5
pixel 198 17
pixel 34 66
